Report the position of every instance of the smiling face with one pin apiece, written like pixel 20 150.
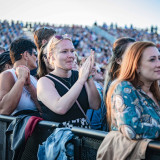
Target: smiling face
pixel 63 56
pixel 149 65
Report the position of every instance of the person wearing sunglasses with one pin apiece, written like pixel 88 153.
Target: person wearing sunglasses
pixel 17 86
pixel 64 94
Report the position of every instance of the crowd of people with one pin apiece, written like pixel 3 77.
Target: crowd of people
pixel 10 31
pixel 67 83
pixel 138 34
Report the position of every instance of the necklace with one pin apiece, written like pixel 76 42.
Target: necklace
pixel 67 80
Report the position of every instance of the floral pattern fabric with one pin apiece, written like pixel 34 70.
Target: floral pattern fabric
pixel 134 113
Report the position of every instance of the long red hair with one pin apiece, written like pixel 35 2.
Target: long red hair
pixel 128 72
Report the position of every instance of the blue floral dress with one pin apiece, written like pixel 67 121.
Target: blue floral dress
pixel 134 113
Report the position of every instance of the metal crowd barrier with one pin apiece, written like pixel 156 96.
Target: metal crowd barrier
pixel 86 141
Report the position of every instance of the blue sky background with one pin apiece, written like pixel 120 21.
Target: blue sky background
pixel 140 13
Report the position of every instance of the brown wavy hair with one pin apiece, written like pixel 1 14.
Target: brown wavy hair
pixel 128 73
pixel 42 69
pixel 41 34
pixel 119 48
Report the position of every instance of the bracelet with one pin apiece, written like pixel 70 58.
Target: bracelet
pixel 90 77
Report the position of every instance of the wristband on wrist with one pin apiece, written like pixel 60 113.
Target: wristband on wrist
pixel 90 77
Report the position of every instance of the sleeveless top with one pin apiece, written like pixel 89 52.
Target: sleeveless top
pixel 74 116
pixel 25 102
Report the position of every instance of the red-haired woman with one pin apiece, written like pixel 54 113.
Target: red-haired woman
pixel 133 100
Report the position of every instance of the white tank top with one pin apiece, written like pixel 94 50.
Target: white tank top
pixel 25 103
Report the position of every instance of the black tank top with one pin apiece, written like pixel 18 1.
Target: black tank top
pixel 74 115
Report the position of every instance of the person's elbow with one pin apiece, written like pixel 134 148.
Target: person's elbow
pixel 3 111
pixel 128 131
pixel 61 111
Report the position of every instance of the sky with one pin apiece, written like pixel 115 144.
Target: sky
pixel 140 13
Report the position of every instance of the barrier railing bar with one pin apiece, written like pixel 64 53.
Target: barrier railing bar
pixel 155 145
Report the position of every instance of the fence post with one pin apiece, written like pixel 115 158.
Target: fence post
pixel 3 126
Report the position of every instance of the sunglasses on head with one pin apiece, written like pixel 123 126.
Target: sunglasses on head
pixel 65 36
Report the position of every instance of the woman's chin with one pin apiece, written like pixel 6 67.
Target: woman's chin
pixel 69 67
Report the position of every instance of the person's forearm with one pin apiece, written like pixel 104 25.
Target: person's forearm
pixel 141 130
pixel 93 95
pixel 10 101
pixel 64 103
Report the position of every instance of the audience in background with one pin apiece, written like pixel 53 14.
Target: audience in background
pixel 10 31
pixel 98 117
pixel 83 37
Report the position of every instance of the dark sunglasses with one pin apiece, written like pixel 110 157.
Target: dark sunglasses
pixel 44 55
pixel 33 52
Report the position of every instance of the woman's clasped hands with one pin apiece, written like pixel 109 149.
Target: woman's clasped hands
pixel 86 70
